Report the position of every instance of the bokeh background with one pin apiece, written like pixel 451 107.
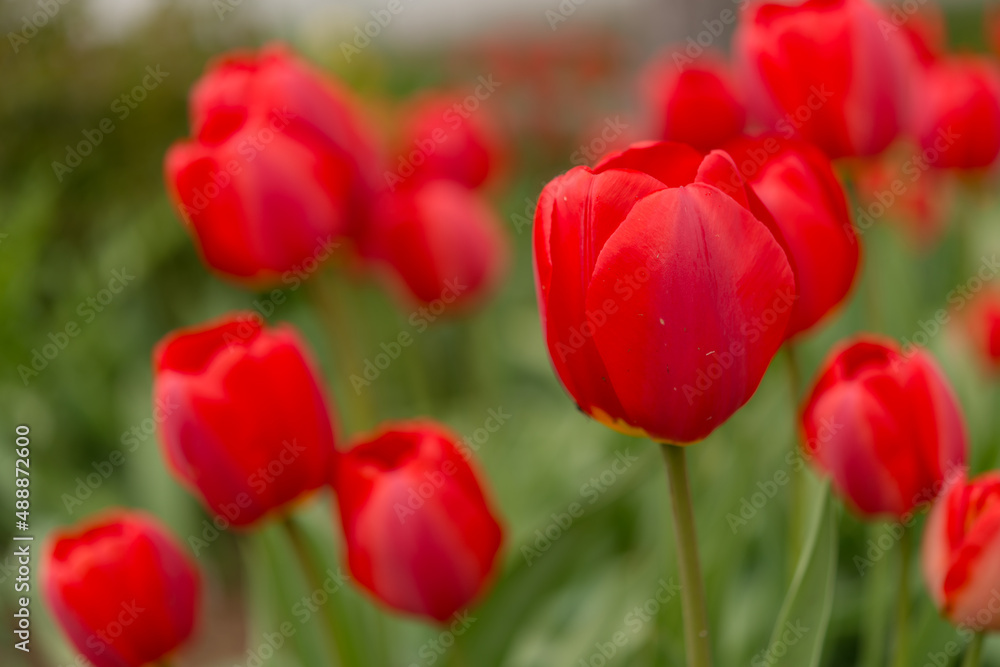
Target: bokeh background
pixel 63 236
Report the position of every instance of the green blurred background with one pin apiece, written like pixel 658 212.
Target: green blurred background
pixel 62 239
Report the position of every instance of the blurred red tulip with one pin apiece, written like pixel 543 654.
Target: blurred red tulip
pixel 121 588
pixel 961 552
pixel 280 165
pixel 885 425
pixel 958 118
pixel 926 31
pixel 440 241
pixel 900 187
pixel 992 26
pixel 421 535
pixel 663 298
pixel 797 184
pixel 824 70
pixel 983 322
pixel 692 102
pixel 245 424
pixel 447 137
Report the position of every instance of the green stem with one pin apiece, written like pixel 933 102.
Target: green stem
pixel 972 658
pixel 797 508
pixel 903 606
pixel 692 589
pixel 313 574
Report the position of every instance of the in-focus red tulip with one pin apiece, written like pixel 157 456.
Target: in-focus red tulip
pixel 440 241
pixel 824 70
pixel 663 297
pixel 245 424
pixel 451 137
pixel 121 588
pixel 421 534
pixel 961 552
pixel 279 166
pixel 885 425
pixel 695 103
pixel 797 184
pixel 958 119
pixel 983 324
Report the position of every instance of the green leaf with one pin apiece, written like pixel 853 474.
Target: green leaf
pixel 802 623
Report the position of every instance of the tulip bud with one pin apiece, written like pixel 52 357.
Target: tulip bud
pixel 961 550
pixel 796 183
pixel 885 425
pixel 449 137
pixel 663 297
pixel 694 103
pixel 824 70
pixel 421 535
pixel 249 430
pixel 280 166
pixel 121 588
pixel 440 241
pixel 958 119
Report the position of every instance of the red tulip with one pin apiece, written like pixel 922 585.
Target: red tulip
pixel 983 323
pixel 440 241
pixel 663 297
pixel 961 552
pixel 885 425
pixel 694 103
pixel 822 69
pixel 797 184
pixel 421 535
pixel 279 165
pixel 925 30
pixel 447 136
pixel 121 588
pixel 250 430
pixel 958 119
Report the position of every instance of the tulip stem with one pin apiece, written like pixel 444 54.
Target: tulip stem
pixel 692 589
pixel 972 658
pixel 903 607
pixel 796 510
pixel 312 570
